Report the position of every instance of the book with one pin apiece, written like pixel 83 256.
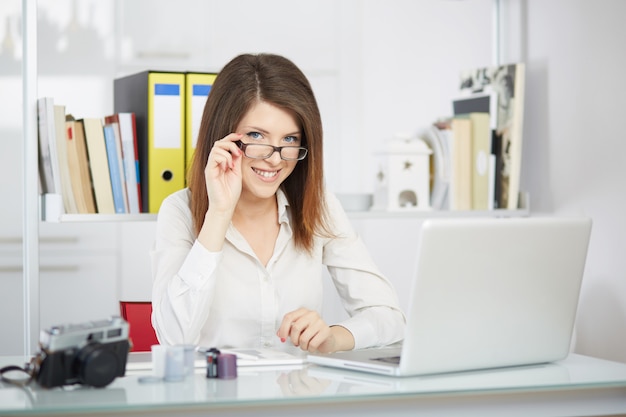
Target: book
pixel 461 157
pixel 113 121
pixel 128 132
pixel 508 82
pixel 99 165
pixel 436 137
pixel 69 203
pixel 443 130
pixel 78 163
pixel 114 168
pixel 480 160
pixel 484 103
pixel 48 162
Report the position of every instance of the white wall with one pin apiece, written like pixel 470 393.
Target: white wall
pixel 574 159
pixel 380 67
pixel 575 147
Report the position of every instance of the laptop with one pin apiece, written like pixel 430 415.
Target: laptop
pixel 487 293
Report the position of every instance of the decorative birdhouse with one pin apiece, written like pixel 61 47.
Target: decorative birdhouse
pixel 403 176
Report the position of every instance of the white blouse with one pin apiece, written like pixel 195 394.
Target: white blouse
pixel 230 299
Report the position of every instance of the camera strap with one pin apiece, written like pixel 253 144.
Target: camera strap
pixel 30 370
pixel 15 381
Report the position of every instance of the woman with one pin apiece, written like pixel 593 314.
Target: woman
pixel 238 255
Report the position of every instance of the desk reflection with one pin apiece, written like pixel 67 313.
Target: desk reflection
pixel 33 397
pixel 301 382
pixel 268 384
pixel 532 376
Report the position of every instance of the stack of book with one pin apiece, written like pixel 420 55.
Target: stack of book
pixel 477 152
pixel 91 163
pixel 129 160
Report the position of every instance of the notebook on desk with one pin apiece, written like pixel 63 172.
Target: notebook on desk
pixel 487 293
pixel 251 357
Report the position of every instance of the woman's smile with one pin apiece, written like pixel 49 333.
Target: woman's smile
pixel 267 175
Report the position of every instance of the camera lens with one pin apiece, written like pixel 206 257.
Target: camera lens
pixel 97 366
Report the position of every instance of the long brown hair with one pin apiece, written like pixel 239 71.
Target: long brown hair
pixel 274 79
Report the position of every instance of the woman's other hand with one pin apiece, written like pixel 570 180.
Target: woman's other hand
pixel 308 331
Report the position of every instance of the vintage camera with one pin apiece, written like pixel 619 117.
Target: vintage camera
pixel 92 353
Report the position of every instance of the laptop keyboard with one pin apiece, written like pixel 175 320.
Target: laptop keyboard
pixel 388 359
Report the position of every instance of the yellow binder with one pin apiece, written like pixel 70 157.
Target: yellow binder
pixel 158 101
pixel 198 86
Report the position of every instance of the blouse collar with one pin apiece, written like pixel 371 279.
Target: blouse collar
pixel 283 204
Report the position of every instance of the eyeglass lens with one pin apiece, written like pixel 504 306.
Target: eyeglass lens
pixel 259 151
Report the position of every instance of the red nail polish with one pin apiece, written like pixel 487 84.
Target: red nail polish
pixel 282 339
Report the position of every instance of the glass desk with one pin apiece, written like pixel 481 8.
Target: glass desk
pixel 579 385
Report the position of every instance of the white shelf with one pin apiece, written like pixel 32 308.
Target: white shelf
pixel 522 211
pixel 371 214
pixel 103 218
pixel 404 214
pixel 52 212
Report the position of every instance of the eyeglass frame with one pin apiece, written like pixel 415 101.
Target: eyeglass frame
pixel 278 149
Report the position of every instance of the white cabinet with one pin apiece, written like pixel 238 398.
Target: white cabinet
pixel 134 242
pixel 77 270
pixel 11 306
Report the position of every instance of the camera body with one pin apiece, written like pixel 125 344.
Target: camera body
pixel 92 353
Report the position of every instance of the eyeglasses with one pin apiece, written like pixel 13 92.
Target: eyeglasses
pixel 258 151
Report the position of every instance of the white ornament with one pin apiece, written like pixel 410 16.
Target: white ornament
pixel 403 176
